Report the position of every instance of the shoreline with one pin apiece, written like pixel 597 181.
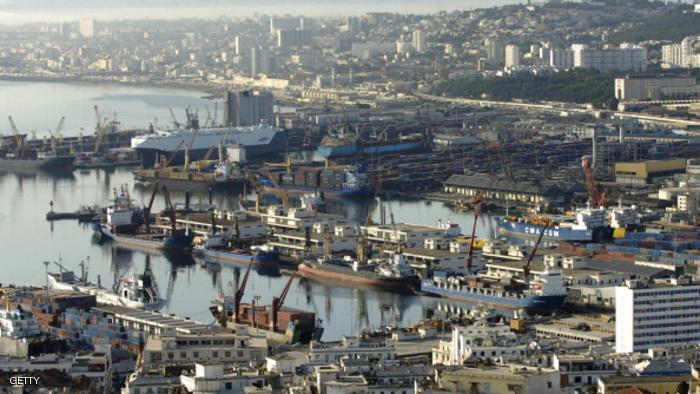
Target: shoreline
pixel 209 92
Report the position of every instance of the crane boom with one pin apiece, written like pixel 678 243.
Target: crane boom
pixel 526 267
pixel 15 132
pixel 278 302
pixel 172 157
pixel 238 296
pixel 597 198
pixel 476 205
pixel 175 122
pixel 147 209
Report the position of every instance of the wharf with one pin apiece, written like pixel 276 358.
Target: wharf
pixel 81 216
pixel 151 320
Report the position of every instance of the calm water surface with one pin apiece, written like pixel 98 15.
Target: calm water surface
pixel 27 239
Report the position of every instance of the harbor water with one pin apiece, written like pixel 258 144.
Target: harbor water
pixel 27 240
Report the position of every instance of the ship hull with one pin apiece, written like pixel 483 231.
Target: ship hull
pixel 239 259
pixel 349 278
pixel 59 163
pixel 103 296
pixel 331 152
pixel 182 184
pixel 364 191
pixel 555 233
pixel 170 243
pixel 256 143
pixel 529 303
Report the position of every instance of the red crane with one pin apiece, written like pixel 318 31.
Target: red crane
pixel 238 296
pixel 278 302
pixel 597 198
pixel 475 202
pixel 526 267
pixel 147 209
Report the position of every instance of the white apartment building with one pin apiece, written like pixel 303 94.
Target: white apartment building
pixel 352 348
pixel 626 57
pixel 681 54
pixel 190 349
pixel 644 88
pixel 661 314
pixel 512 56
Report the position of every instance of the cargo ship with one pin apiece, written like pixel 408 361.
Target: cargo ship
pixel 32 160
pixel 544 294
pixel 221 175
pixel 121 227
pixel 213 247
pixel 588 225
pixel 390 273
pixel 279 323
pixel 256 140
pixel 349 145
pixel 138 291
pixel 336 181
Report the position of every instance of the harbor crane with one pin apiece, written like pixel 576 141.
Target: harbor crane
pixel 526 267
pixel 188 147
pixel 278 302
pixel 166 164
pixel 238 295
pixel 597 198
pixel 100 129
pixel 15 133
pixel 475 202
pixel 147 209
pixel 172 116
pixel 56 134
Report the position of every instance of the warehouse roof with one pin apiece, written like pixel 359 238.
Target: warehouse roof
pixel 487 182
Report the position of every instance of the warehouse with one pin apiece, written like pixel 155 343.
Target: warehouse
pixel 648 172
pixel 494 189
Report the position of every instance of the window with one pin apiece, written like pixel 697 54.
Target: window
pixel 549 385
pixel 228 386
pixel 215 354
pixel 195 354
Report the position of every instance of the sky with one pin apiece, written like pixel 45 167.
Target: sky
pixel 26 11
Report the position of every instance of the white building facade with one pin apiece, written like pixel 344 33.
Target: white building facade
pixel 659 315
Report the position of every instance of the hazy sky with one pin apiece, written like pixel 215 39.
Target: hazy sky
pixel 22 11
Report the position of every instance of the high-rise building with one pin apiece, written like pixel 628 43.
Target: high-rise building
pixel 561 59
pixel 87 28
pixel 65 30
pixel 512 56
pixel 242 45
pixel 495 51
pixel 248 108
pixel 657 315
pixel 293 38
pixel 290 23
pixel 625 58
pixel 419 41
pixel 261 62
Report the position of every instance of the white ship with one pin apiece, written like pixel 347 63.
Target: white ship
pixel 256 140
pixel 137 291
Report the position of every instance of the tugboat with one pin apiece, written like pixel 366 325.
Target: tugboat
pixel 161 237
pixel 137 291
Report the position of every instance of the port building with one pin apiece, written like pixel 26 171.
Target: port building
pixel 660 314
pixel 648 172
pixel 503 190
